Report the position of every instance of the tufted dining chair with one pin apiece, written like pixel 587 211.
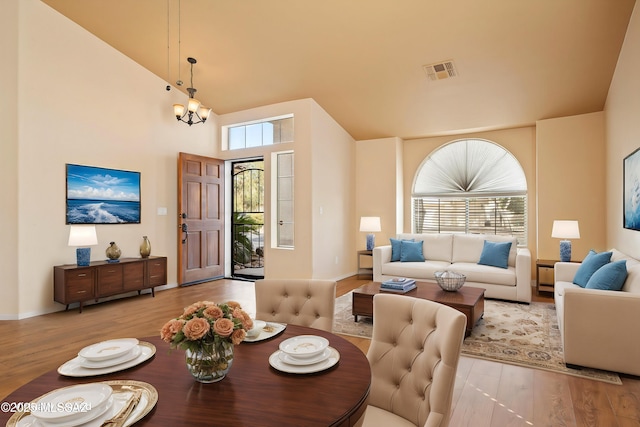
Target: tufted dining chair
pixel 414 355
pixel 304 302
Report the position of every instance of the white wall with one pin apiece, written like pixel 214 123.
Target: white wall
pixel 622 112
pixel 9 20
pixel 80 101
pixel 333 201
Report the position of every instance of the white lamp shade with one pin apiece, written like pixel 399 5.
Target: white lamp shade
pixel 370 224
pixel 178 110
pixel 204 112
pixel 194 104
pixel 83 235
pixel 565 230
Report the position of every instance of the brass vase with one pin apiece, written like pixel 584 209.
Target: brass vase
pixel 113 252
pixel 145 247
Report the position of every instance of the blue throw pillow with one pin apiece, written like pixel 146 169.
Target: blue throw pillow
pixel 592 262
pixel 495 254
pixel 411 251
pixel 395 248
pixel 609 277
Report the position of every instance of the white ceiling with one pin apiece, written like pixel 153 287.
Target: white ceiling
pixel 362 60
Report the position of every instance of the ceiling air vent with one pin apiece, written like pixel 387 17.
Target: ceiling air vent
pixel 440 70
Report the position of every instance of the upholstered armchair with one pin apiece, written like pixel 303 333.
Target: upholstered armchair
pixel 414 356
pixel 304 302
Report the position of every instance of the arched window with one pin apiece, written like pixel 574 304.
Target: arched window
pixel 470 186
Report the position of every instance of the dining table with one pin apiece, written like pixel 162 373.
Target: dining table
pixel 253 393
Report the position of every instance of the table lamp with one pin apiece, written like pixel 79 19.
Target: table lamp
pixel 370 224
pixel 565 230
pixel 83 235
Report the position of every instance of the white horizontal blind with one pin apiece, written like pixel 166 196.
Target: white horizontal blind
pixel 470 186
pixel 478 215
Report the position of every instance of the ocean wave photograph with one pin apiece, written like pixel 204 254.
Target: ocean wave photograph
pixel 102 196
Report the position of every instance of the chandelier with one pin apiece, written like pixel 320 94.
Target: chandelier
pixel 193 110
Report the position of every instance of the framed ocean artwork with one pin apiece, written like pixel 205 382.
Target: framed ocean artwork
pixel 631 191
pixel 98 195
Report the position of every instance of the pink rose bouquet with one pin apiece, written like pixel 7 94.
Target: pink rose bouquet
pixel 206 322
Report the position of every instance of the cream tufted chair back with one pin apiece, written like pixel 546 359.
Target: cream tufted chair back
pixel 304 302
pixel 414 356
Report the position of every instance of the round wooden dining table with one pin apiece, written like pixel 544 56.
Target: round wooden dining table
pixel 252 394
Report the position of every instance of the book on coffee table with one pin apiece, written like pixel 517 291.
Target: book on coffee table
pixel 400 290
pixel 398 283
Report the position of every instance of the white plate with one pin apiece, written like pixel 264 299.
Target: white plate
pixel 273 330
pixel 78 402
pixel 122 390
pixel 130 355
pixel 108 349
pixel 304 346
pixel 277 363
pixel 74 368
pixel 308 361
pixel 82 421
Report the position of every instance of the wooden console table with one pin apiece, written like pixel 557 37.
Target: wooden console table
pixel 73 283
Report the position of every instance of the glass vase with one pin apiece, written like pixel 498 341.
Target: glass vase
pixel 210 362
pixel 145 247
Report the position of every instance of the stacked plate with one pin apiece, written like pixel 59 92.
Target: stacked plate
pixel 107 357
pixel 304 354
pixel 73 406
pixel 87 405
pixel 109 353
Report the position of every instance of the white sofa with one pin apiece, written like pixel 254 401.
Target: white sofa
pixel 599 328
pixel 461 253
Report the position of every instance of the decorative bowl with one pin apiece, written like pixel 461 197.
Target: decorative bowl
pixel 450 281
pixel 304 346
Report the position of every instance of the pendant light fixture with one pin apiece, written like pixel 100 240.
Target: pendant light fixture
pixel 193 108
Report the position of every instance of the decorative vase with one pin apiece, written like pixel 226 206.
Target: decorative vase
pixel 113 252
pixel 210 362
pixel 145 247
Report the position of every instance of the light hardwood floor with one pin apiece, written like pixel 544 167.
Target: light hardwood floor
pixel 486 393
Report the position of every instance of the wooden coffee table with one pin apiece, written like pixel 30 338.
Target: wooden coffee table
pixel 468 300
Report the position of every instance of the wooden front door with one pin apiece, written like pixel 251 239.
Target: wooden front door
pixel 201 220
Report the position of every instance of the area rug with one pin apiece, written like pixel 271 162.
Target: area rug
pixel 518 334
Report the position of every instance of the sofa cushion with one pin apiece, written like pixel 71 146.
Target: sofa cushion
pixel 495 254
pixel 436 247
pixel 468 247
pixel 411 251
pixel 591 263
pixel 417 270
pixel 395 248
pixel 632 284
pixel 609 277
pixel 485 274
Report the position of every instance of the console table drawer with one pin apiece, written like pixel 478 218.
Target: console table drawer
pixel 80 290
pixel 82 278
pixel 157 271
pixel 133 276
pixel 110 280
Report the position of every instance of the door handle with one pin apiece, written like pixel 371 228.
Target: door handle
pixel 184 229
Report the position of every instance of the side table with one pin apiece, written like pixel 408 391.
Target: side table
pixel 544 264
pixel 365 271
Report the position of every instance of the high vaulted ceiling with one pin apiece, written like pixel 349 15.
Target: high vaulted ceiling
pixel 517 61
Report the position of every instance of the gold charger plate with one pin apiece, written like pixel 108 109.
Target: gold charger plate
pixel 147 403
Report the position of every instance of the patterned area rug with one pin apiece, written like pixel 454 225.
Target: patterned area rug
pixel 519 334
